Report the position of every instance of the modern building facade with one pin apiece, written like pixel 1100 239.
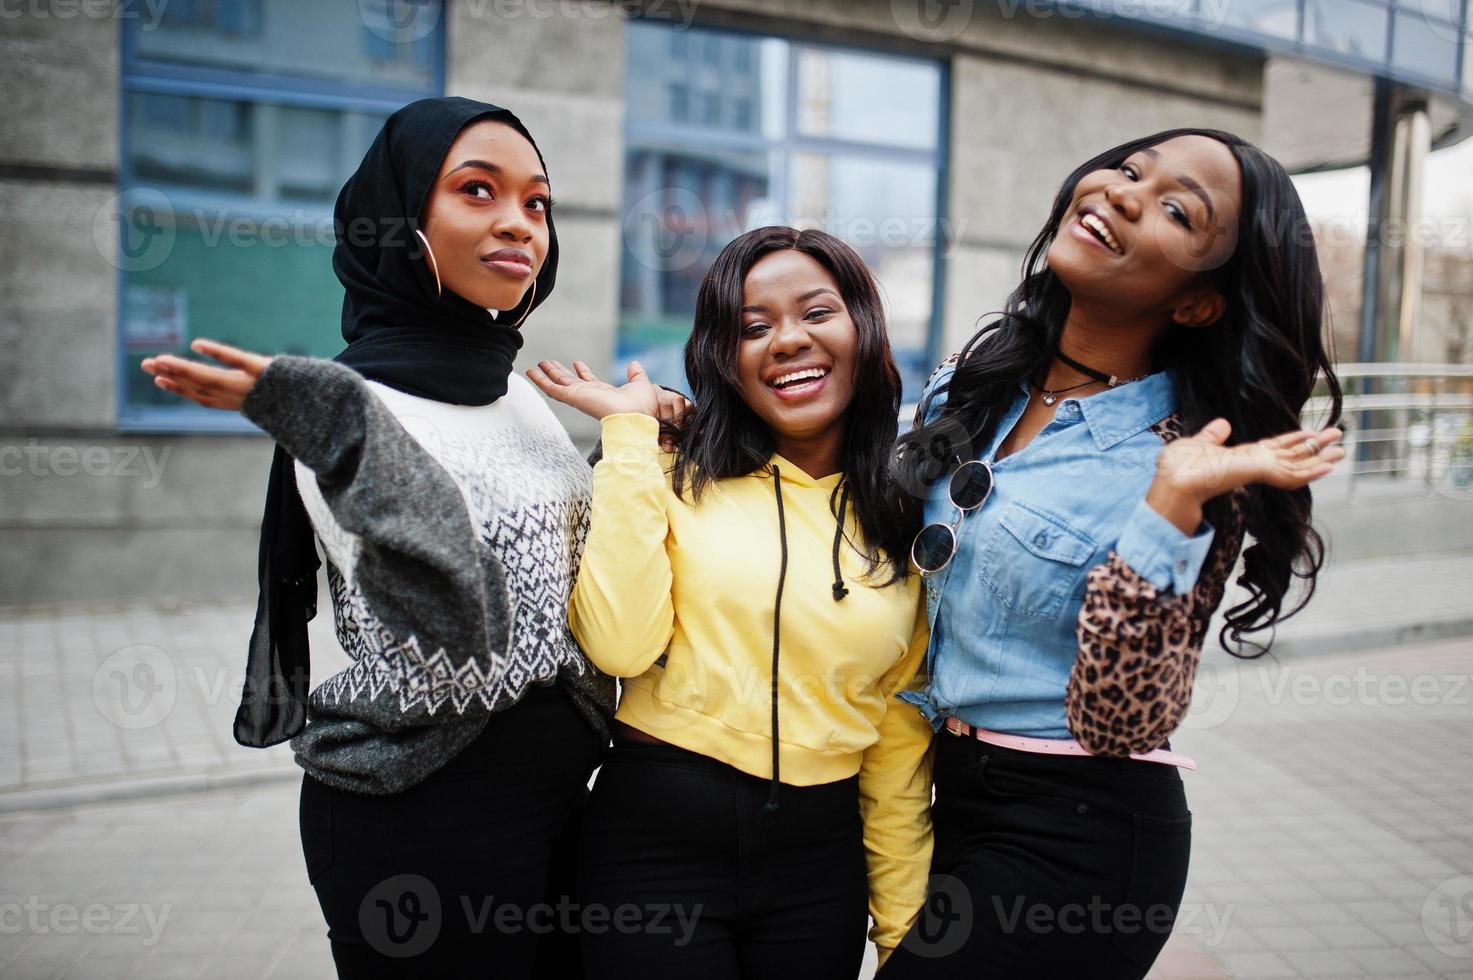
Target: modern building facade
pixel 167 171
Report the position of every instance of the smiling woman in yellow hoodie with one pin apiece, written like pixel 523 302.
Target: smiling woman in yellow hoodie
pixel 765 788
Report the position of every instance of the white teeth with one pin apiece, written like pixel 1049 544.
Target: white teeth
pixel 781 380
pixel 1094 224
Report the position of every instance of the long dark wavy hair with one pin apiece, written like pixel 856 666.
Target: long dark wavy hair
pixel 1256 367
pixel 722 437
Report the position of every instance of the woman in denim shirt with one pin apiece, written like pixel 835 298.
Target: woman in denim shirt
pixel 1089 466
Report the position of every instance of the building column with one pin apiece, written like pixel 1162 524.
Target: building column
pixel 1401 139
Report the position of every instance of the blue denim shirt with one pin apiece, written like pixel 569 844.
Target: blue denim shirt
pixel 1003 613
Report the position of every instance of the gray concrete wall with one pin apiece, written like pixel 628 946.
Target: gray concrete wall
pixel 86 512
pixel 1030 98
pixel 1033 95
pixel 58 166
pixel 564 77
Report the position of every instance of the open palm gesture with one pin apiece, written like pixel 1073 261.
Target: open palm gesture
pixel 1202 467
pixel 205 384
pixel 583 390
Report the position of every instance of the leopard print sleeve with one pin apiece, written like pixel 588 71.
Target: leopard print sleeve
pixel 1131 682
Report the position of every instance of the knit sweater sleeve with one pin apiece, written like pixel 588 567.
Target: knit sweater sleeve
pixel 419 563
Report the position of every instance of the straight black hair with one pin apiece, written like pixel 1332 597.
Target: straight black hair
pixel 723 437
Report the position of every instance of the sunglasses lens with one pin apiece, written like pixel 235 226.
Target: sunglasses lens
pixel 970 485
pixel 933 548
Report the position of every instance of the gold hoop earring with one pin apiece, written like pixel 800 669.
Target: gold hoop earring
pixel 434 266
pixel 530 298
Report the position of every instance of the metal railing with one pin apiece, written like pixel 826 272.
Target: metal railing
pixel 1408 425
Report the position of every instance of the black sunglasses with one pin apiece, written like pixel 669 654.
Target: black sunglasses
pixel 935 546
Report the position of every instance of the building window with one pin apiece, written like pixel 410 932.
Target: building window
pixel 841 139
pixel 1421 41
pixel 1347 27
pixel 240 121
pixel 1423 45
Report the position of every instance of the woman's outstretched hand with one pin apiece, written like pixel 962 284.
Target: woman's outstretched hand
pixel 1194 469
pixel 206 384
pixel 597 399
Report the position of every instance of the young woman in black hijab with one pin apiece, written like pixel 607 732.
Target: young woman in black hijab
pixel 444 764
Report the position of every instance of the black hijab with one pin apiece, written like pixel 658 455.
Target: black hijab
pixel 400 333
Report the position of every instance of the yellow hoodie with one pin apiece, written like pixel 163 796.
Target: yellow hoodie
pixel 679 598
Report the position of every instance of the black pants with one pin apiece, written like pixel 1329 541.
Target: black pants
pixel 1048 866
pixel 457 875
pixel 691 880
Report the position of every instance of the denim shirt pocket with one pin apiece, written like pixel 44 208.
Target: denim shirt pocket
pixel 1034 560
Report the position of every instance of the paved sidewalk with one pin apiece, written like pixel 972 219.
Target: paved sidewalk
pixel 1334 804
pixel 1333 837
pixel 117 700
pixel 130 699
pixel 1334 813
pixel 1381 602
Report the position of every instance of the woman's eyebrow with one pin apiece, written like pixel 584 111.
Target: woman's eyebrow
pixel 1200 191
pixel 759 308
pixel 493 168
pixel 1188 183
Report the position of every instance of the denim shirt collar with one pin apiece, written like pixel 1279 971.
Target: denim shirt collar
pixel 1116 414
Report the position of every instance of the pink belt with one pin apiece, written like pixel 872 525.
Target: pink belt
pixel 1048 746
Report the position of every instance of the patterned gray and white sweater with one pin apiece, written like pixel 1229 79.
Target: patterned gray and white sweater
pixel 453 535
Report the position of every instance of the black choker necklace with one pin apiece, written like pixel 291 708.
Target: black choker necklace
pixel 1051 395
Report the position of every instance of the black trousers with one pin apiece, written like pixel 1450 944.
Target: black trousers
pixel 690 879
pixel 1048 866
pixel 459 875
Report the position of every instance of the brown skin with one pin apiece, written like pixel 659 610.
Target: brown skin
pixel 1173 211
pixel 793 317
pixel 490 195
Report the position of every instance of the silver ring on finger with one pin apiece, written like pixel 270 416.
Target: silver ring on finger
pixel 1313 446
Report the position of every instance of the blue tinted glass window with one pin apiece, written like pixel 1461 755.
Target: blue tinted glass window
pixel 1424 45
pixel 759 149
pixel 1347 27
pixel 380 43
pixel 1413 40
pixel 241 120
pixel 1278 18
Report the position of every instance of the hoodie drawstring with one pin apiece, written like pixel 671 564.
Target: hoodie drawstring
pixel 777 621
pixel 839 592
